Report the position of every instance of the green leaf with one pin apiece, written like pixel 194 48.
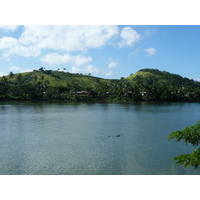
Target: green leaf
pixel 188 160
pixel 189 134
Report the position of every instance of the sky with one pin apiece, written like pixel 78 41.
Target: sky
pixel 107 51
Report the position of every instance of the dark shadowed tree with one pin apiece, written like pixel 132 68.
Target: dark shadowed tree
pixel 19 77
pixel 11 75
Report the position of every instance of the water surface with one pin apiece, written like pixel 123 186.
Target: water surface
pixel 78 138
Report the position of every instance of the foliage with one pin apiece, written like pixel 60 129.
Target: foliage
pixel 146 84
pixel 188 160
pixel 188 135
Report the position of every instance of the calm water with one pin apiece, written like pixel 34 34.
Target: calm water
pixel 68 138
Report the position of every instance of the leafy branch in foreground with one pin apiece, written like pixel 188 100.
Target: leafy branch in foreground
pixel 188 135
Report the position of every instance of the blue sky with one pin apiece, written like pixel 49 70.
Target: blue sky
pixel 104 51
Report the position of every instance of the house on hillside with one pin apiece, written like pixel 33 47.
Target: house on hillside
pixel 142 93
pixel 82 93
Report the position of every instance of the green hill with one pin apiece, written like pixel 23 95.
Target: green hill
pixel 64 79
pixel 156 77
pixel 146 84
pixel 54 78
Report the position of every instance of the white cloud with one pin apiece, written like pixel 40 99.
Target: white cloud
pixel 79 63
pixel 8 27
pixel 80 60
pixel 24 51
pixel 112 64
pixel 34 39
pixel 91 69
pixel 85 69
pixel 129 37
pixel 109 73
pixel 14 46
pixel 14 68
pixel 8 42
pixel 150 51
pixel 56 59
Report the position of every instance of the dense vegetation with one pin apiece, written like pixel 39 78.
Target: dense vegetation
pixel 188 135
pixel 146 84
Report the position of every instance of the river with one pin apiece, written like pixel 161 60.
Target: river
pixel 93 138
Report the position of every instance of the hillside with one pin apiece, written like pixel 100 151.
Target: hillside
pixel 64 79
pixel 156 77
pixel 146 84
pixel 54 78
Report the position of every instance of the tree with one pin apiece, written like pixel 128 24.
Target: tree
pixel 41 69
pixel 19 76
pixel 3 85
pixel 188 135
pixel 35 77
pixel 42 77
pixel 11 74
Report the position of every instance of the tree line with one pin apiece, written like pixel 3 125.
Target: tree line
pixel 121 90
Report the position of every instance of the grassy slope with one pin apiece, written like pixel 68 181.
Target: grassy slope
pixel 161 78
pixel 140 74
pixel 57 78
pixel 147 75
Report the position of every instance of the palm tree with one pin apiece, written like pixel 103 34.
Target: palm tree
pixel 35 77
pixel 4 85
pixel 19 76
pixel 4 80
pixel 42 77
pixel 11 74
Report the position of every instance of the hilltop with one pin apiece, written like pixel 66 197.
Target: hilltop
pixel 146 84
pixel 54 78
pixel 156 77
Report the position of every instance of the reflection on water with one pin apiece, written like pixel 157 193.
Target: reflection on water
pixel 73 138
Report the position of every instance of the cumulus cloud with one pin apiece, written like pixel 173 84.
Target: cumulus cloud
pixel 34 39
pixel 129 37
pixel 20 50
pixel 8 27
pixel 80 60
pixel 85 69
pixel 79 63
pixel 150 51
pixel 112 64
pixel 8 42
pixel 14 46
pixel 56 59
pixel 14 68
pixel 91 69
